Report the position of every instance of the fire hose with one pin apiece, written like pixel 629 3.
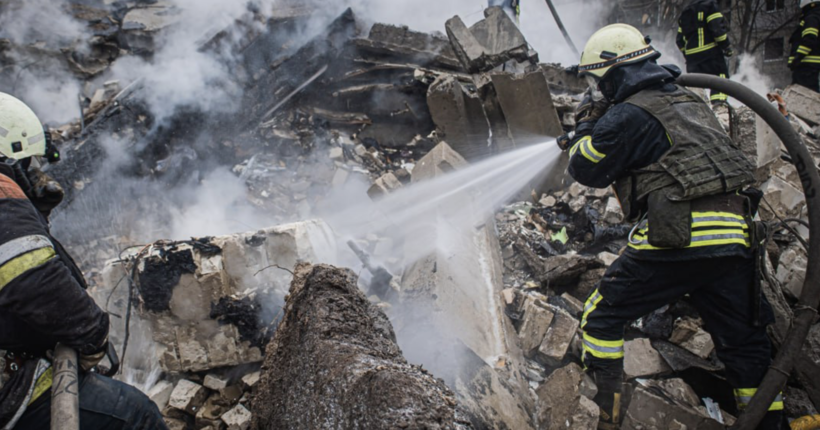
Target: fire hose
pixel 65 390
pixel 805 311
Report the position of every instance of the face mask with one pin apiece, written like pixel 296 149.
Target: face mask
pixel 592 83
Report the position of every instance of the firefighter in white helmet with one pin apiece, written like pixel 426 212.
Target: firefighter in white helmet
pixel 660 145
pixel 804 59
pixel 43 299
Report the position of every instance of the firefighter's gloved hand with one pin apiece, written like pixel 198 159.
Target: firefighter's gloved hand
pixel 88 362
pixel 728 52
pixel 590 109
pixel 46 192
pixel 565 140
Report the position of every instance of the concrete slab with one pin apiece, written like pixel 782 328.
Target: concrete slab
pixel 489 43
pixel 803 102
pixel 459 116
pixel 528 108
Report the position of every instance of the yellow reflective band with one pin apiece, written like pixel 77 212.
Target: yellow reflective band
pixel 714 16
pixel 16 267
pixel 701 37
pixel 717 214
pixel 574 148
pixel 812 59
pixel 670 139
pixel 700 16
pixel 700 49
pixel 588 151
pixel 744 395
pixel 719 97
pixel 811 32
pixel 609 349
pixel 590 306
pixel 803 49
pixel 42 385
pixel 722 38
pixel 680 30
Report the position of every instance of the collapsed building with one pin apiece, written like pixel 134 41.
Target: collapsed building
pixel 239 331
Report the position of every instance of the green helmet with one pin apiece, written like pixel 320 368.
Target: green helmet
pixel 21 133
pixel 614 46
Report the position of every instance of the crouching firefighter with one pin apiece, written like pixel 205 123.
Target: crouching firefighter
pixel 683 181
pixel 43 299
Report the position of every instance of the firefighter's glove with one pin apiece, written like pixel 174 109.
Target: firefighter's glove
pixel 590 110
pixel 88 362
pixel 728 52
pixel 564 142
pixel 46 192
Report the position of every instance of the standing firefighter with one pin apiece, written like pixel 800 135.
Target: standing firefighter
pixel 704 41
pixel 804 59
pixel 682 180
pixel 43 299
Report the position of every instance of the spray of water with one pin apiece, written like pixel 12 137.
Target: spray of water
pixel 464 198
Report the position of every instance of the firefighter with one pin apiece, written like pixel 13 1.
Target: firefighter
pixel 704 41
pixel 804 60
pixel 43 299
pixel 683 181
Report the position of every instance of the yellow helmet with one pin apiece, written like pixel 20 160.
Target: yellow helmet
pixel 21 133
pixel 614 46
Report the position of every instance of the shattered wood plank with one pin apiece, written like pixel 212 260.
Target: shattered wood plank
pixel 350 118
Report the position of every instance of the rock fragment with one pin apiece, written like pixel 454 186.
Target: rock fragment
pixel 641 360
pixel 188 396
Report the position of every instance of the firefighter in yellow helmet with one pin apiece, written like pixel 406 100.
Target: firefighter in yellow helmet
pixel 43 299
pixel 683 182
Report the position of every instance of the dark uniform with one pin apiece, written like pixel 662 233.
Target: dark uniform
pixel 804 59
pixel 43 302
pixel 703 39
pixel 659 141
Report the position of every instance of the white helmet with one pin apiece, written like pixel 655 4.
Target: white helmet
pixel 614 46
pixel 804 3
pixel 21 133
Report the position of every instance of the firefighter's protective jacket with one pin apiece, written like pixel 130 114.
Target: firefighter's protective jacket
pixel 626 141
pixel 42 301
pixel 805 41
pixel 702 31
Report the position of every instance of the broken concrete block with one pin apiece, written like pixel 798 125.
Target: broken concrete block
pixel 679 390
pixel 803 102
pixel 209 413
pixel 238 418
pixel 556 341
pixel 489 43
pixel 650 411
pixel 791 270
pixel 685 329
pixel 548 201
pixel 214 383
pixel 386 184
pixel 160 393
pixel 578 203
pixel 785 197
pixel 459 117
pixel 336 153
pixel 250 380
pixel 439 161
pixel 613 213
pixel 641 360
pixel 527 105
pixel 560 404
pixel 537 319
pixel 188 396
pixel 700 344
pixel 607 258
pixel 757 140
